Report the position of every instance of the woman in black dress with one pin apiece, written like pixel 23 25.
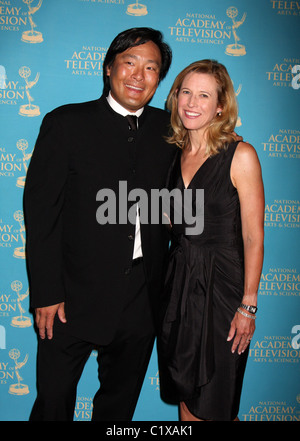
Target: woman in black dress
pixel 210 297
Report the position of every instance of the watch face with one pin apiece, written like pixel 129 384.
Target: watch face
pixel 250 308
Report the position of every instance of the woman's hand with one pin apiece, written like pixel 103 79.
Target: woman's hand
pixel 241 331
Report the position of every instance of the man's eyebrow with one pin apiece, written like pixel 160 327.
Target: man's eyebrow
pixel 136 58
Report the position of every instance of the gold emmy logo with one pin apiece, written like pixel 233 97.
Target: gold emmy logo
pixel 32 36
pixel 18 388
pixel 22 145
pixel 274 349
pixel 7 236
pixel 286 7
pixel 283 72
pixel 282 282
pixel 283 144
pixel 8 166
pixel 235 49
pixel 28 109
pixel 20 321
pixel 83 409
pixel 272 410
pixel 19 252
pixel 200 28
pixel 283 213
pixel 87 61
pixel 136 9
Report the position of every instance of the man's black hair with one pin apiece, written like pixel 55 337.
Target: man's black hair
pixel 135 37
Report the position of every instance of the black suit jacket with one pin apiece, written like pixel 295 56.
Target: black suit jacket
pixel 81 149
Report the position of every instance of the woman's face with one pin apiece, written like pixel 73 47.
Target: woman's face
pixel 198 101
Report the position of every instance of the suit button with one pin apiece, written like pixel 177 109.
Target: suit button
pixel 130 237
pixel 127 271
pixel 130 139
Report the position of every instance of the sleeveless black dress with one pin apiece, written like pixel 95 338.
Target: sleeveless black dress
pixel 203 289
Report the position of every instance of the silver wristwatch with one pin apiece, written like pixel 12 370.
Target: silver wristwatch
pixel 251 309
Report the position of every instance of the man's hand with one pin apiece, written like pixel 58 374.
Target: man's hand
pixel 44 318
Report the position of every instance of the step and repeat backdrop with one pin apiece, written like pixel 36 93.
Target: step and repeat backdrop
pixel 52 53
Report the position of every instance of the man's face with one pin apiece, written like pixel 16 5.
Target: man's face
pixel 134 75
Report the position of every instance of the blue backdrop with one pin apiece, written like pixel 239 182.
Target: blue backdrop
pixel 52 53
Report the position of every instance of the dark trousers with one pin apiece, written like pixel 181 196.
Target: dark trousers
pixel 122 364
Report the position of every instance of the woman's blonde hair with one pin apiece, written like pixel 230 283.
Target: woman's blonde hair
pixel 219 132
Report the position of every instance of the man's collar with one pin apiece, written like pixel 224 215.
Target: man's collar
pixel 120 109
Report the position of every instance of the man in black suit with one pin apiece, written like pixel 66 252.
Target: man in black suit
pixel 96 284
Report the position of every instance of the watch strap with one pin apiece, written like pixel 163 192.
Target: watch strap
pixel 249 308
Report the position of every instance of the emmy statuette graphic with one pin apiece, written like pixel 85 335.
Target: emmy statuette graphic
pixel 22 145
pixel 236 49
pixel 32 36
pixel 136 9
pixel 28 109
pixel 18 388
pixel 19 252
pixel 21 321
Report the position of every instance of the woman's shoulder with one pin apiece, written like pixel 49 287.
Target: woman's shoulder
pixel 245 152
pixel 245 160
